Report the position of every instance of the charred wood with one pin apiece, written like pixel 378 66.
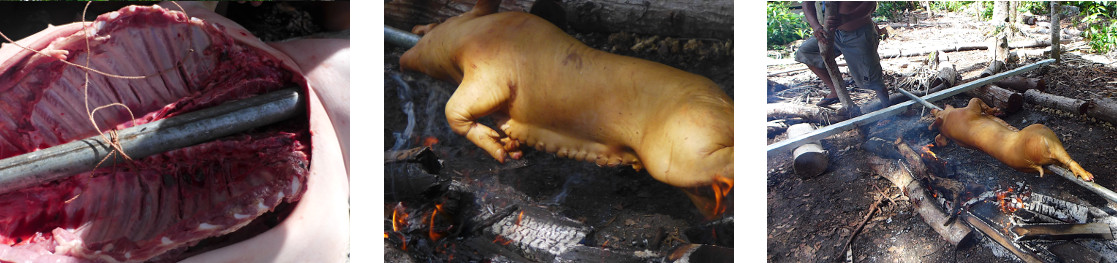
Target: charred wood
pixel 419 155
pixel 582 253
pixel 538 234
pixel 899 175
pixel 718 232
pixel 881 147
pixel 1057 102
pixel 701 253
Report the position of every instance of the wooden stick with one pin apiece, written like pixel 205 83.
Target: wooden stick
pixel 827 50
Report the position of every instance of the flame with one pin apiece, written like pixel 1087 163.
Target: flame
pixel 722 185
pixel 931 154
pixel 399 218
pixel 435 235
pixel 385 234
pixel 520 217
pixel 502 240
pixel 430 140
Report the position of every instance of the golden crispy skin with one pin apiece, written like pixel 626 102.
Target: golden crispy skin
pixel 1024 150
pixel 549 91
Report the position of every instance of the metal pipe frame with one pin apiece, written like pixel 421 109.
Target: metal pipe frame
pixel 65 160
pixel 791 143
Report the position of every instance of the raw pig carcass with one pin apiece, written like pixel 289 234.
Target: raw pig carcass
pixel 155 207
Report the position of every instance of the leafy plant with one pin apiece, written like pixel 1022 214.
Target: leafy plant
pixel 950 6
pixel 1102 32
pixel 785 26
pixel 892 9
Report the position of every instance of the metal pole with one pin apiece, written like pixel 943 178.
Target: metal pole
pixel 787 145
pixel 65 160
pixel 918 99
pixel 1098 189
pixel 399 37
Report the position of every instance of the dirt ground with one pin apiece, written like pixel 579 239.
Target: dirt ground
pixel 812 219
pixel 627 210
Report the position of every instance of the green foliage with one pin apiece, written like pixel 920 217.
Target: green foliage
pixel 1102 32
pixel 892 9
pixel 950 6
pixel 986 10
pixel 784 26
pixel 1034 7
pixel 1091 8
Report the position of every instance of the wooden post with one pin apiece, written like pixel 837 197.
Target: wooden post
pixel 827 51
pixel 1055 16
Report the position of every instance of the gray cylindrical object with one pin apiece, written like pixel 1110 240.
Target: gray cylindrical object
pixel 65 160
pixel 810 159
pixel 399 37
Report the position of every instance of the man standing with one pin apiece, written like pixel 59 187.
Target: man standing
pixel 855 35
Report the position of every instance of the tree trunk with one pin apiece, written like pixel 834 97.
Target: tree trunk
pixel 810 159
pixel 692 19
pixel 1022 84
pixel 1008 101
pixel 1055 16
pixel 1105 110
pixel 850 109
pixel 1056 102
pixel 810 113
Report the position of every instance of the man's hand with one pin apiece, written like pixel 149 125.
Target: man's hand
pixel 823 36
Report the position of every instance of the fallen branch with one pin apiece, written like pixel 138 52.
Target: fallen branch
pixel 898 174
pixel 1057 102
pixel 807 112
pixel 1008 101
pixel 872 209
pixel 1105 110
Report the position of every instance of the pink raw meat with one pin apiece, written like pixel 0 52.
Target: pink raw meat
pixel 161 204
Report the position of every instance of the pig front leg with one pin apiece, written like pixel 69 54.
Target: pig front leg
pixel 476 98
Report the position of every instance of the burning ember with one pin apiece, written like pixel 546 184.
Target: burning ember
pixel 1011 200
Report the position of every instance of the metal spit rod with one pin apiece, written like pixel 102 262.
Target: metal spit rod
pixel 918 99
pixel 204 125
pixel 789 144
pixel 1095 187
pixel 400 37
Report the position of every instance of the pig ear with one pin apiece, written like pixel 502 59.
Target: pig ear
pixel 485 7
pixel 423 29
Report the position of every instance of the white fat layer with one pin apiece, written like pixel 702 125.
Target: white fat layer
pixel 239 216
pixel 295 185
pixel 281 195
pixel 115 14
pixel 260 205
pixel 206 226
pixel 128 254
pixel 166 241
pixel 108 247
